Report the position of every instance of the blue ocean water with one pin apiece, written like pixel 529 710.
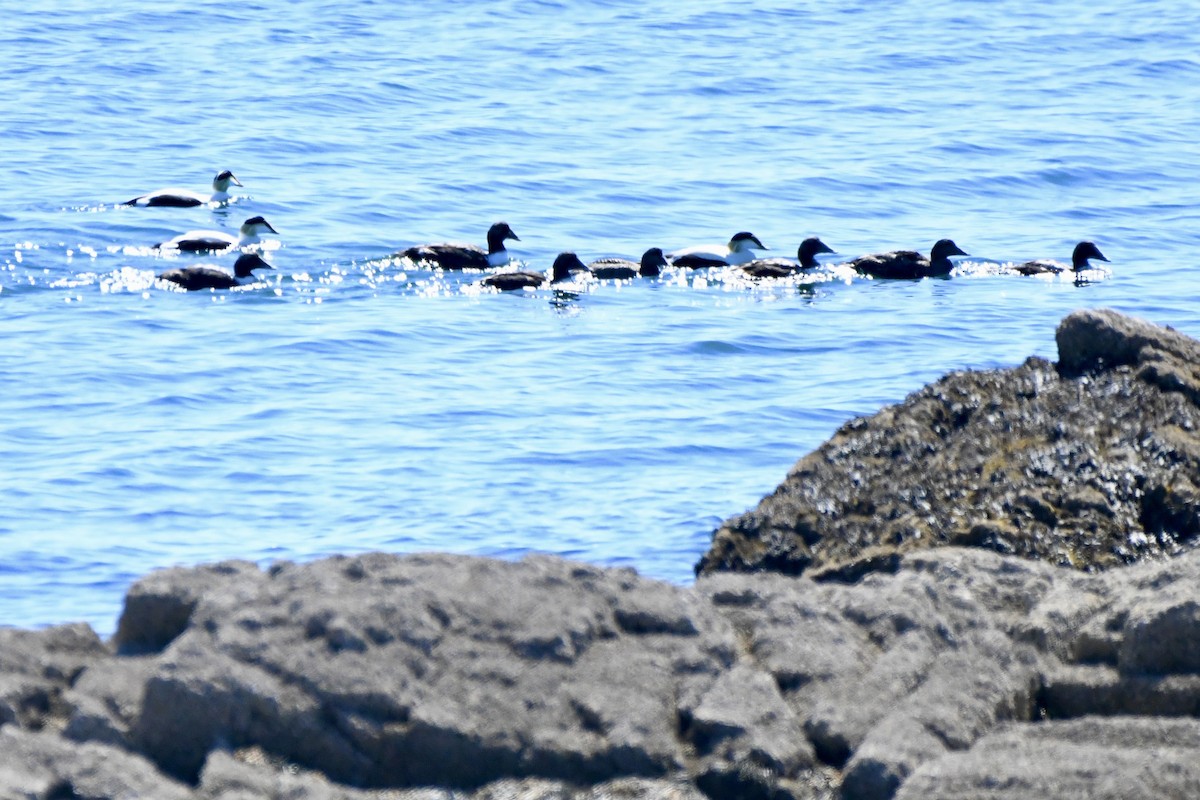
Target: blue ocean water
pixel 353 403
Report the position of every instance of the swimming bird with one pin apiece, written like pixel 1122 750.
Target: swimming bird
pixel 651 265
pixel 186 198
pixel 200 277
pixel 218 241
pixel 782 267
pixel 563 268
pixel 466 256
pixel 739 250
pixel 1079 261
pixel 909 264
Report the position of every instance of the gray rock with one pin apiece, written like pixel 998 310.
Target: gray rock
pixel 744 717
pixel 1107 759
pixel 1162 638
pixel 253 775
pixel 897 669
pixel 1124 643
pixel 445 676
pixel 1100 339
pixel 57 653
pixel 37 667
pixel 1092 464
pixel 106 700
pixel 965 695
pixel 435 670
pixel 159 607
pixel 44 765
pixel 25 701
pixel 1079 690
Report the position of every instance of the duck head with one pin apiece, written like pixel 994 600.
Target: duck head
pixel 564 265
pixel 257 225
pixel 745 240
pixel 944 248
pixel 224 180
pixel 247 263
pixel 498 233
pixel 1084 251
pixel 809 249
pixel 653 262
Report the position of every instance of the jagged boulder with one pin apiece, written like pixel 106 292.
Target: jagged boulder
pixel 43 765
pixel 457 676
pixel 1128 758
pixel 37 669
pixel 432 670
pixel 1090 463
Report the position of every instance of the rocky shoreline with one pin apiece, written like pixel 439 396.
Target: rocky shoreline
pixel 988 590
pixel 1089 463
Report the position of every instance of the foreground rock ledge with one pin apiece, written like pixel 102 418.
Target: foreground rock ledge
pixel 1089 463
pixel 962 673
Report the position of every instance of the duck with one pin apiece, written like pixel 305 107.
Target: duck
pixel 219 241
pixel 909 264
pixel 201 277
pixel 565 265
pixel 739 250
pixel 1079 261
pixel 466 256
pixel 651 265
pixel 782 267
pixel 186 198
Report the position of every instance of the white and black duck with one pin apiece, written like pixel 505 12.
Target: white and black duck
pixel 186 198
pixel 739 250
pixel 250 233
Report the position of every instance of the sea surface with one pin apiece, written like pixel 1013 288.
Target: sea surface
pixel 351 402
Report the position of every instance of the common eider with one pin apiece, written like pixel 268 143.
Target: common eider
pixel 909 264
pixel 200 277
pixel 1079 261
pixel 186 198
pixel 565 265
pixel 218 241
pixel 739 250
pixel 782 267
pixel 465 256
pixel 651 265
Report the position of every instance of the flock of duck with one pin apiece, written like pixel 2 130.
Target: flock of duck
pixel 739 254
